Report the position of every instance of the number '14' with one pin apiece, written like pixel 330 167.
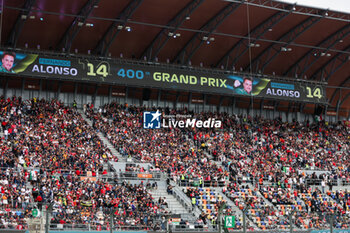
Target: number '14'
pixel 316 93
pixel 102 70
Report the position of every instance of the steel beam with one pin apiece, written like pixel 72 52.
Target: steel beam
pixel 344 99
pixel 23 85
pixel 261 105
pixel 126 94
pixel 220 103
pixel 6 87
pixel 343 58
pixel 159 96
pixel 189 100
pixel 205 99
pixel 347 80
pixel 258 32
pixel 21 19
pixel 300 10
pixel 40 88
pixel 59 90
pixel 74 28
pixel 274 49
pixel 152 51
pixel 176 99
pixel 313 55
pixel 95 94
pixel 109 94
pixel 106 41
pixel 205 31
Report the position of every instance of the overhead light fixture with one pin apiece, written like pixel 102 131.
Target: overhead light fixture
pixel 323 54
pixel 127 28
pixel 204 38
pixel 170 33
pixel 270 29
pixel 80 24
pixel 341 41
pixel 293 8
pixel 285 49
pixel 23 16
pixel 120 27
pixel 212 39
pixel 254 45
pixel 174 36
pixel 178 34
pixel 326 14
pixel 208 42
pixel 328 55
pixel 89 24
pixel 32 17
pixel 188 17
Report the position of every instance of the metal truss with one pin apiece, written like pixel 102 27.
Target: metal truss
pixel 312 56
pixel 74 28
pixel 204 33
pixel 342 101
pixel 273 50
pixel 299 9
pixel 152 51
pixel 322 73
pixel 106 41
pixel 21 19
pixel 258 32
pixel 347 80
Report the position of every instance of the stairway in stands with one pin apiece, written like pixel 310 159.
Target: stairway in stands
pixel 174 206
pixel 104 139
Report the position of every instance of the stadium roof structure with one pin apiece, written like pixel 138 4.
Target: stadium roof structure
pixel 258 36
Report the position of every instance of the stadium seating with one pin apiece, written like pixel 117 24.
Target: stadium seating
pixel 48 153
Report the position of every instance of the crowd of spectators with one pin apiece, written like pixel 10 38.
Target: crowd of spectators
pixel 47 148
pixel 252 150
pixel 170 150
pixel 50 154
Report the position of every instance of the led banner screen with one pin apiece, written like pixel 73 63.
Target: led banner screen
pixel 112 72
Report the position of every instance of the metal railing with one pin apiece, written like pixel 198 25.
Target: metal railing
pixel 182 198
pixel 197 183
pixel 98 227
pixel 141 175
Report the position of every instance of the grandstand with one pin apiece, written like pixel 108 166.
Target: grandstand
pixel 163 116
